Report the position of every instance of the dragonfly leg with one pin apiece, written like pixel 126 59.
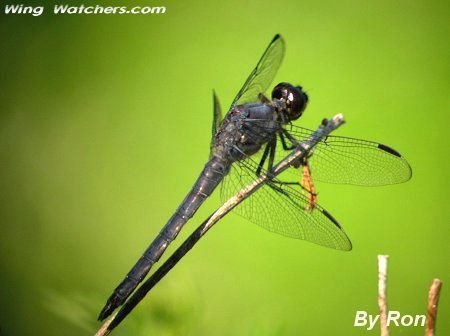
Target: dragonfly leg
pixel 263 160
pixel 285 134
pixel 306 181
pixel 278 186
pixel 263 99
pixel 288 135
pixel 282 183
pixel 272 144
pixel 268 151
pixel 308 185
pixel 284 144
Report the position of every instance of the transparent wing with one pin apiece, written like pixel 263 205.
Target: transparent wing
pixel 217 119
pixel 281 208
pixel 262 76
pixel 217 114
pixel 338 159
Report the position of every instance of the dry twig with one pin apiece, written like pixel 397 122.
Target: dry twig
pixel 433 300
pixel 382 300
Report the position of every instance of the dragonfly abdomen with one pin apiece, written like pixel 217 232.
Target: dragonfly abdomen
pixel 212 174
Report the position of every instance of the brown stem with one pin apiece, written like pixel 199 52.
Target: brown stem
pixel 382 300
pixel 433 300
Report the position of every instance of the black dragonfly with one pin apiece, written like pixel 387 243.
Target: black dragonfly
pixel 255 133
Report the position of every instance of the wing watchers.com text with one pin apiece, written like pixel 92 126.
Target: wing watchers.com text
pixel 82 9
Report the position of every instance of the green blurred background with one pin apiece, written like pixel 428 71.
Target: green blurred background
pixel 105 123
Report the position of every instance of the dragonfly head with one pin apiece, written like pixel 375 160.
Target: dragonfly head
pixel 294 98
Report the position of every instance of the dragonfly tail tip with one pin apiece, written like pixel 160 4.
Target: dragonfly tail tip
pixel 106 311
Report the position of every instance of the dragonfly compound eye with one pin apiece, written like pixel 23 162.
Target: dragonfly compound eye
pixel 294 97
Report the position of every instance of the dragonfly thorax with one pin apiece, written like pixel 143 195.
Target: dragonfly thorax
pixel 293 99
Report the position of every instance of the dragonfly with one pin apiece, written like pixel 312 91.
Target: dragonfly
pixel 301 151
pixel 255 133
